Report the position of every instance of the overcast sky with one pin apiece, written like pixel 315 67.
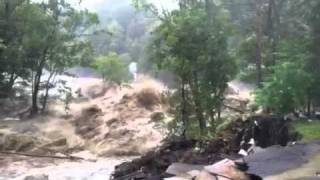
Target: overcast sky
pixel 95 5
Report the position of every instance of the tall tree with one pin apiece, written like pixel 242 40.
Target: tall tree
pixel 192 43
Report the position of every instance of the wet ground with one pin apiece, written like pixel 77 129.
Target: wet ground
pixel 281 163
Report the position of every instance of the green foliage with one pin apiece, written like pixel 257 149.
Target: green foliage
pixel 112 68
pixel 286 90
pixel 192 44
pixel 39 36
pixel 308 130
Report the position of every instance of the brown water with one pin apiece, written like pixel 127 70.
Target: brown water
pixel 101 169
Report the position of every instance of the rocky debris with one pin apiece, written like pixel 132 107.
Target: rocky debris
pixel 153 164
pixel 265 130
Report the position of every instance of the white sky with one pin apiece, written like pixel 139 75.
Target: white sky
pixel 93 5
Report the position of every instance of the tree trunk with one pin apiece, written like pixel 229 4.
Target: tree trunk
pixel 259 34
pixel 183 107
pixel 45 98
pixel 36 84
pixel 197 103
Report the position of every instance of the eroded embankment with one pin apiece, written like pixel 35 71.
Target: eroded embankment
pixel 266 130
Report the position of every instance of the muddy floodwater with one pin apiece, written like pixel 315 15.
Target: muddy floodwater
pixel 82 170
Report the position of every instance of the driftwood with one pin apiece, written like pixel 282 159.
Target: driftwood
pixel 72 158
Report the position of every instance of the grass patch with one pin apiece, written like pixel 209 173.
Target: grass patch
pixel 309 130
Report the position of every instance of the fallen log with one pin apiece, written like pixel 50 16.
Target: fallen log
pixel 72 158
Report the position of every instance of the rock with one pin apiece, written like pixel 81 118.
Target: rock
pixel 204 175
pixel 37 177
pixel 222 170
pixel 226 168
pixel 182 169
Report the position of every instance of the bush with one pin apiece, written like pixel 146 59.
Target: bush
pixel 285 90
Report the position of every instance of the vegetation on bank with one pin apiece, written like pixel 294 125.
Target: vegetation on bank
pixel 205 43
pixel 308 130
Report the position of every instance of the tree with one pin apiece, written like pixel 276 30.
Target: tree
pixel 192 43
pixel 53 45
pixel 112 68
pixel 11 53
pixel 286 90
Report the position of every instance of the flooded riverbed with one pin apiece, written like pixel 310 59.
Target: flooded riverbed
pixel 100 169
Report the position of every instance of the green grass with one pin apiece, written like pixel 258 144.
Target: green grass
pixel 309 130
